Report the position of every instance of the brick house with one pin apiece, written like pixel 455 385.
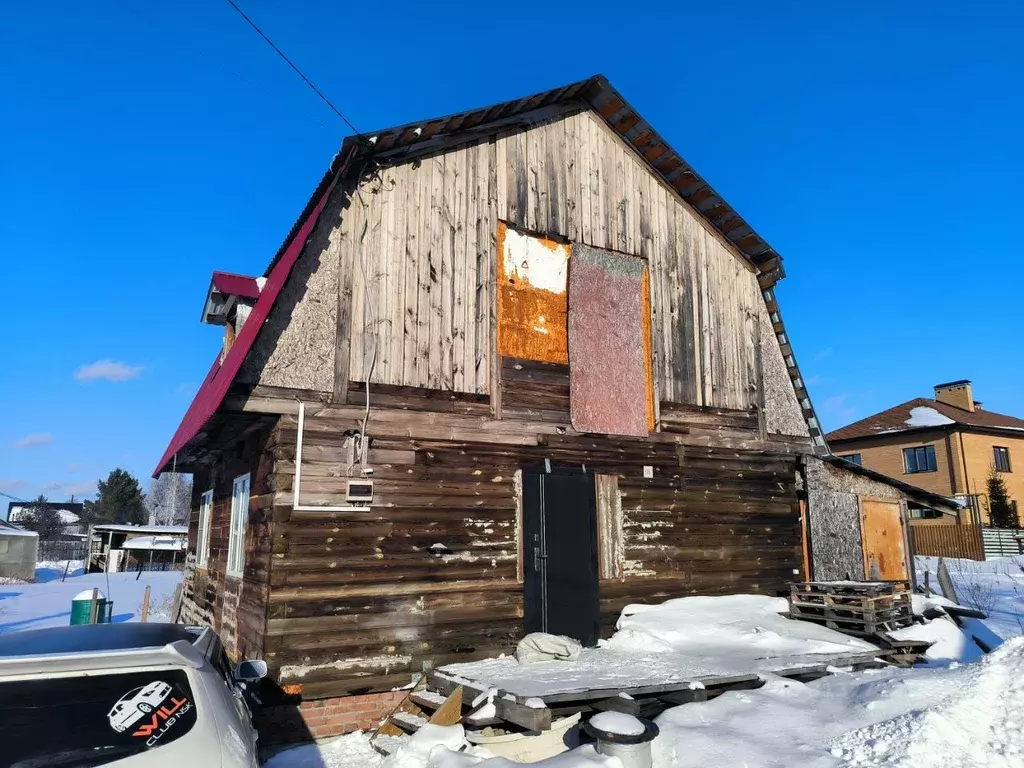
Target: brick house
pixel 947 445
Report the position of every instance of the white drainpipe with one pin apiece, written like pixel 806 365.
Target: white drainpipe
pixel 296 506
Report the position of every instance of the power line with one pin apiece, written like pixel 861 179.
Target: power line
pixel 290 64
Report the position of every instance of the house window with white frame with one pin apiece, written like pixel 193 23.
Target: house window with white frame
pixel 203 540
pixel 239 520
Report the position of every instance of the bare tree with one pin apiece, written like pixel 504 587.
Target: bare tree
pixel 170 498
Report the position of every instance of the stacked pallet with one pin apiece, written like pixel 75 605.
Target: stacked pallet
pixel 862 609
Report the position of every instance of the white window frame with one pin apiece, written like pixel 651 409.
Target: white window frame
pixel 239 522
pixel 203 539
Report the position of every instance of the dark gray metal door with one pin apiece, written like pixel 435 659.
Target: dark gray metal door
pixel 560 553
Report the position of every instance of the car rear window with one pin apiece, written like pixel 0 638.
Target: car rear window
pixel 92 720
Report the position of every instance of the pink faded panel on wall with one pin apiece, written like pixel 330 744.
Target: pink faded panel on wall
pixel 609 371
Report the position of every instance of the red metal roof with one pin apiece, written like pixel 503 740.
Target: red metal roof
pixel 221 375
pixel 236 285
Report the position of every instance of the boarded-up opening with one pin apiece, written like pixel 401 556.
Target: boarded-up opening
pixel 532 301
pixel 610 383
pixel 610 553
pixel 885 556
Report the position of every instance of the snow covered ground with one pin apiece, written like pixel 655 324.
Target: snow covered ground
pixel 994 586
pixel 937 717
pixel 48 603
pixel 55 570
pixel 946 717
pixel 679 640
pixel 947 714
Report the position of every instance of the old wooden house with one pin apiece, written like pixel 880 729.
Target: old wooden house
pixel 511 370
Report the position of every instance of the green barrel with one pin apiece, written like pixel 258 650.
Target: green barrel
pixel 81 608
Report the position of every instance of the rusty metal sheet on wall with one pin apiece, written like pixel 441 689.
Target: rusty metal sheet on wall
pixel 610 384
pixel 531 296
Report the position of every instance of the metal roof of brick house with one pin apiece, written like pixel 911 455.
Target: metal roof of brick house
pixel 895 419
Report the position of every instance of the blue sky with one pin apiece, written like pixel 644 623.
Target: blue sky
pixel 146 144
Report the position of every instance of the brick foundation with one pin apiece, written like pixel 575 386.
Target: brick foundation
pixel 320 718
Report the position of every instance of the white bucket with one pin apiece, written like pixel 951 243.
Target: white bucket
pixel 532 746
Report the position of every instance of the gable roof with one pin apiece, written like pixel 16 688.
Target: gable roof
pixel 896 420
pixel 231 284
pixel 223 372
pixel 424 136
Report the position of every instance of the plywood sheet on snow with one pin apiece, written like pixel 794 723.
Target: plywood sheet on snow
pixel 531 296
pixel 882 530
pixel 610 385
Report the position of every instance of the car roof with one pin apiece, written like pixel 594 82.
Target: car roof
pixel 90 638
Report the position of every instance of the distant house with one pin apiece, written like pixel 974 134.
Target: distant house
pixel 946 444
pixel 70 514
pixel 18 550
pixel 122 547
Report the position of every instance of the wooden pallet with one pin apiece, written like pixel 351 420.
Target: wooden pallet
pixel 895 601
pixel 855 588
pixel 863 610
pixel 847 610
pixel 417 709
pixel 866 630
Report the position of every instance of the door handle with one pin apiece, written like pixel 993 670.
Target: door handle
pixel 537 557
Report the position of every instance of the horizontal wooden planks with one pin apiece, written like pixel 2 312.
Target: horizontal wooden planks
pixel 534 391
pixel 429 572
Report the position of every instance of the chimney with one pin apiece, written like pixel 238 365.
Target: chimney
pixel 957 394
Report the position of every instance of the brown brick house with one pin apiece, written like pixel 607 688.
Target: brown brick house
pixel 946 445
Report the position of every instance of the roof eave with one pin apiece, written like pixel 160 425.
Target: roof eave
pixel 911 491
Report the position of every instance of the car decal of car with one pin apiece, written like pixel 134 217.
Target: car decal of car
pixel 136 703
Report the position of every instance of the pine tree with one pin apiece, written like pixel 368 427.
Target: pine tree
pixel 119 500
pixel 44 519
pixel 1001 511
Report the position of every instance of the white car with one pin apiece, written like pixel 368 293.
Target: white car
pixel 136 703
pixel 131 695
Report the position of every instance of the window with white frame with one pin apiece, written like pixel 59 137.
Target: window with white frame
pixel 203 541
pixel 239 519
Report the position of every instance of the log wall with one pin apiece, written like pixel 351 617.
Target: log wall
pixel 429 574
pixel 235 607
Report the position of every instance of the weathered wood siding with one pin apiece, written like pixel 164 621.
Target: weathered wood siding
pixel 361 600
pixel 421 239
pixel 572 177
pixel 236 608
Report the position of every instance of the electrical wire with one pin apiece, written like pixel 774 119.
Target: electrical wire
pixel 288 61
